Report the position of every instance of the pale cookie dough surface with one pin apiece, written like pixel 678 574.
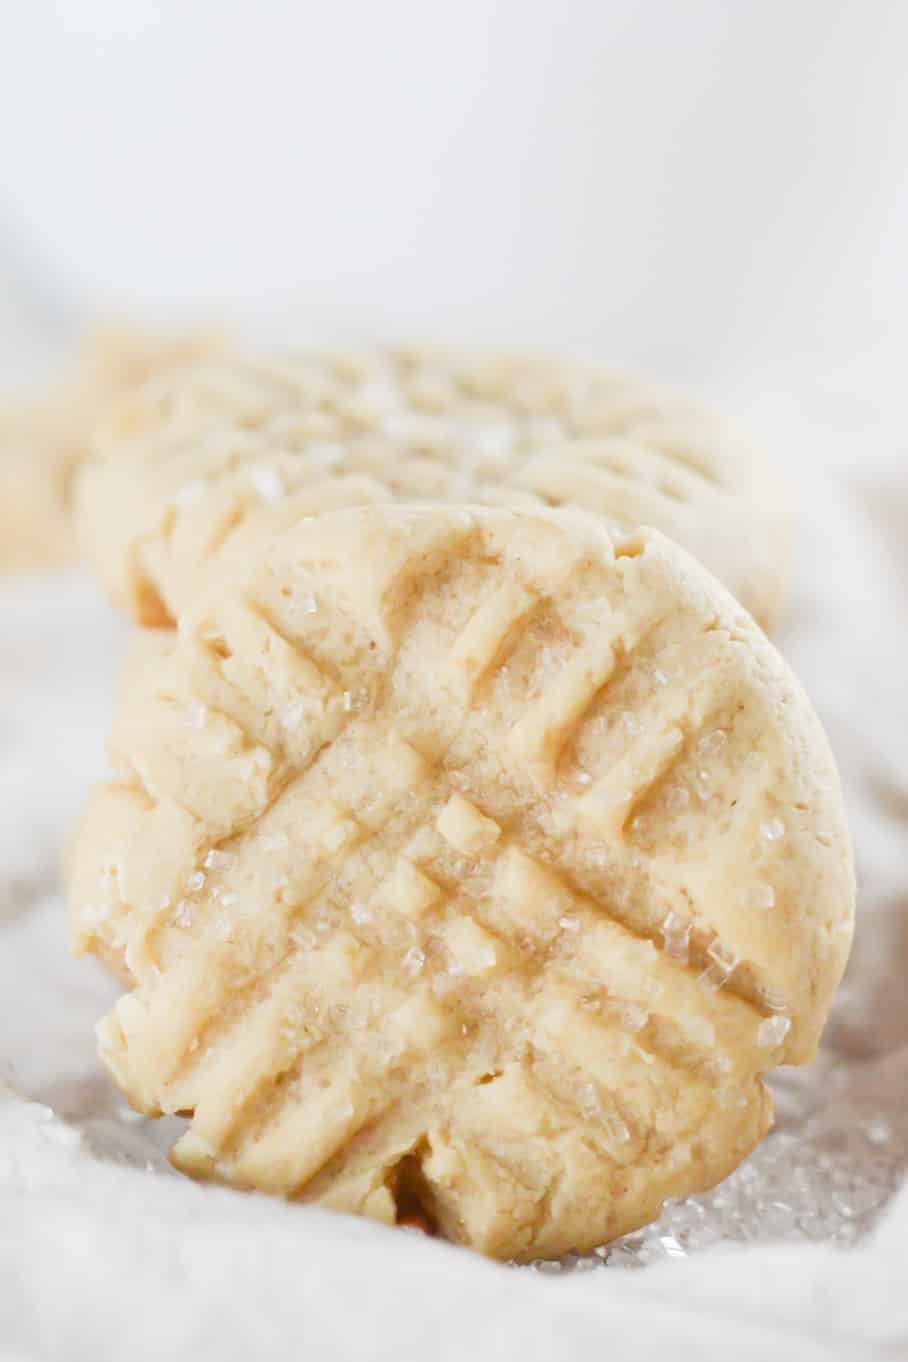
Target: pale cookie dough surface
pixel 43 442
pixel 190 465
pixel 477 863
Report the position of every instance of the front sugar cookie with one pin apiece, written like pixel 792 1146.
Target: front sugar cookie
pixel 466 860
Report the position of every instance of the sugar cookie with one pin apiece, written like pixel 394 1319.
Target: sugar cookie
pixel 470 860
pixel 43 441
pixel 38 456
pixel 182 465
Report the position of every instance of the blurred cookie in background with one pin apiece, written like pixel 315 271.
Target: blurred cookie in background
pixel 37 457
pixel 43 439
pixel 184 466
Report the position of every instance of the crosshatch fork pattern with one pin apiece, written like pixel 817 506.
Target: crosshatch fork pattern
pixel 462 957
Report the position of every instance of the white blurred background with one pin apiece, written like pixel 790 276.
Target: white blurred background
pixel 711 190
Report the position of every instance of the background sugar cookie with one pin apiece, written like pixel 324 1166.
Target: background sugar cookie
pixel 38 455
pixel 182 464
pixel 466 859
pixel 43 440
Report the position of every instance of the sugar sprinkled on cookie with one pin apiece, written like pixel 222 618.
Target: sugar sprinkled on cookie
pixel 463 945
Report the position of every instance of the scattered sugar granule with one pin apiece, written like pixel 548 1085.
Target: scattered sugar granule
pixel 219 860
pixel 773 1030
pixel 414 961
pixel 268 484
pixel 676 935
